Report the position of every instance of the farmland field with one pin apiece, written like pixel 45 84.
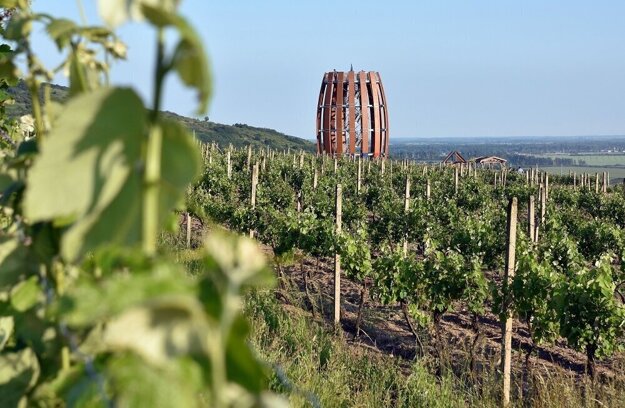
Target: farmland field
pixel 591 159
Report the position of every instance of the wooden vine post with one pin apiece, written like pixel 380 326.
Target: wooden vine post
pixel 315 179
pixel 543 206
pixel 596 183
pixel 228 165
pixel 406 209
pixel 506 338
pixel 188 230
pixel 249 157
pixel 337 258
pixel 359 180
pixel 427 190
pixel 531 217
pixel 456 180
pixel 253 192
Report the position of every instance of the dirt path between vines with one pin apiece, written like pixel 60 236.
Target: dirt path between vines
pixel 386 330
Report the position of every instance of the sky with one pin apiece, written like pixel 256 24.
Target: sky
pixel 450 67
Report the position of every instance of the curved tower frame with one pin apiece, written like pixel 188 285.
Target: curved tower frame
pixel 352 115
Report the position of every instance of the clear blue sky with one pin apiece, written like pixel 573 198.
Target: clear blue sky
pixel 450 67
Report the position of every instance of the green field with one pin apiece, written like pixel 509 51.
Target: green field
pixel 591 159
pixel 616 173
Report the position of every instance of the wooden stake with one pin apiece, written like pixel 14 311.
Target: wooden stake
pixel 315 177
pixel 406 209
pixel 427 190
pixel 543 206
pixel 253 192
pixel 337 258
pixel 188 230
pixel 506 344
pixel 456 180
pixel 249 157
pixel 359 180
pixel 531 217
pixel 228 165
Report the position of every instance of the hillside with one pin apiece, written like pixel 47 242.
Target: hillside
pixel 239 134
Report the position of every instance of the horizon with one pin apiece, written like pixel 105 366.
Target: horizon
pixel 468 70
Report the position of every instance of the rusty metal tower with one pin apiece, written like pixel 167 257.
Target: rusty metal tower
pixel 352 115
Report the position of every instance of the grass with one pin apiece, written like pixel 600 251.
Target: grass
pixel 316 367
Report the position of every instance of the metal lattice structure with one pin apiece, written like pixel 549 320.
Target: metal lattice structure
pixel 352 115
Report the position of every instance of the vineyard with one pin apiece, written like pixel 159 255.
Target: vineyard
pixel 432 241
pixel 105 302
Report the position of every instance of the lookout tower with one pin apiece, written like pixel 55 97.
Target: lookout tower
pixel 352 115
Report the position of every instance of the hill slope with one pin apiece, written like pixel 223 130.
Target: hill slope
pixel 239 135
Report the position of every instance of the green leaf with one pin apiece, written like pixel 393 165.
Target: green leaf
pixel 181 163
pixel 164 329
pixel 71 388
pixel 21 4
pixel 61 31
pixel 5 181
pixel 6 329
pixel 15 262
pixel 239 259
pixel 18 373
pixel 18 28
pixel 96 145
pixel 116 12
pixel 241 364
pixel 9 3
pixel 134 383
pixel 83 74
pixel 189 59
pixel 26 294
pixel 88 302
pixel 192 66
